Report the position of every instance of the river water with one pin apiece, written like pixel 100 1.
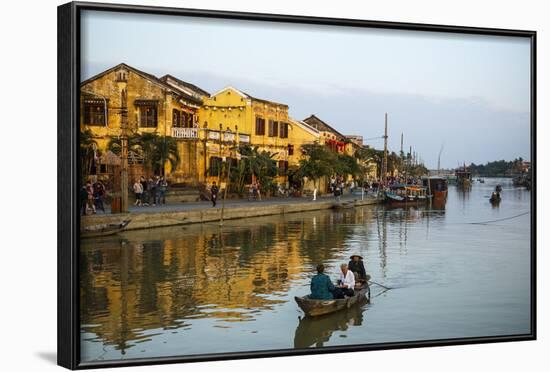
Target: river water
pixel 199 289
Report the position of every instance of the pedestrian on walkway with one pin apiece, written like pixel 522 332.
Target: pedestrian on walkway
pixel 138 191
pixel 83 200
pixel 337 193
pixel 214 191
pixel 144 191
pixel 99 195
pixel 152 187
pixel 90 190
pixel 162 187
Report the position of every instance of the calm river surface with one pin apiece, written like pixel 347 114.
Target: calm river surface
pixel 200 289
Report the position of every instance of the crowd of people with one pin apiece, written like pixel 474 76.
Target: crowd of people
pixel 92 198
pixel 351 276
pixel 151 191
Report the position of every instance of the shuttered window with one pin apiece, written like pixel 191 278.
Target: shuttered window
pixel 148 116
pixel 260 126
pixel 273 128
pixel 283 132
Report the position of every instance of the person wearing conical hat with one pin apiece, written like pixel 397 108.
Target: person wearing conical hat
pixel 356 266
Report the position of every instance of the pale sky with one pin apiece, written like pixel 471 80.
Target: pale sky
pixel 467 93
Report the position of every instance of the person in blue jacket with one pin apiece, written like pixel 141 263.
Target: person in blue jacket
pixel 321 286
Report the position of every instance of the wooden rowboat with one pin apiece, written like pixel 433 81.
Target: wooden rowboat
pixel 321 307
pixel 344 205
pixel 103 229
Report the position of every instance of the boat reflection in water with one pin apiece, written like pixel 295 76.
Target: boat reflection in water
pixel 316 331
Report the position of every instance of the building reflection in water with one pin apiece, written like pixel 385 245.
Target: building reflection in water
pixel 143 283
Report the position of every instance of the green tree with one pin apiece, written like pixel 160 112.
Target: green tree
pixel 253 162
pixel 87 152
pixel 154 149
pixel 318 162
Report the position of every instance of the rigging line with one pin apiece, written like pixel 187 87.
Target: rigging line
pixel 500 219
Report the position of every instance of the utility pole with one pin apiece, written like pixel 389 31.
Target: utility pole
pixel 236 135
pixel 385 160
pixel 124 152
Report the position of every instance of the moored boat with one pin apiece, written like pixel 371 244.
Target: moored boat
pixel 401 194
pixel 463 176
pixel 437 186
pixel 313 307
pixel 343 205
pixel 103 229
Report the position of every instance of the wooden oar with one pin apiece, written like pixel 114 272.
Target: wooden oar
pixel 383 286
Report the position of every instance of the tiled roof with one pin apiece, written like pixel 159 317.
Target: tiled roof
pixel 319 124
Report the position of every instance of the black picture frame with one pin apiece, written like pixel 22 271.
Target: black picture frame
pixel 68 345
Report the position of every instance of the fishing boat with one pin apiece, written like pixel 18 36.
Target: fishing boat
pixel 437 187
pixel 463 176
pixel 451 179
pixel 401 194
pixel 495 198
pixel 313 307
pixel 103 229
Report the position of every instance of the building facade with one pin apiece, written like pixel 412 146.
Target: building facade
pixel 207 129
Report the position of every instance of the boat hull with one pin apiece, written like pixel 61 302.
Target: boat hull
pixel 314 308
pixel 103 230
pixel 346 205
pixel 440 195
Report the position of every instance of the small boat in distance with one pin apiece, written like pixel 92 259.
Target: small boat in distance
pixel 495 198
pixel 463 176
pixel 401 194
pixel 312 307
pixel 103 229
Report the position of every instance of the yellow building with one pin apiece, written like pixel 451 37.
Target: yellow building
pixel 208 128
pixel 233 117
pixel 148 105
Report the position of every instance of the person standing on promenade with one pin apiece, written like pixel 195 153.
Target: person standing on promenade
pixel 214 191
pixel 90 190
pixel 152 187
pixel 99 194
pixel 144 191
pixel 337 193
pixel 138 191
pixel 83 200
pixel 162 187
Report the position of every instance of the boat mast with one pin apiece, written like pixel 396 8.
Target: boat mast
pixel 439 160
pixel 385 160
pixel 402 155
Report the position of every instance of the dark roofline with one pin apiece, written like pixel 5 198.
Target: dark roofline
pixel 312 116
pixel 264 100
pixel 145 75
pixel 185 84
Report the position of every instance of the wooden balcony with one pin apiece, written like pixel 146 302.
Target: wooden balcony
pixel 185 133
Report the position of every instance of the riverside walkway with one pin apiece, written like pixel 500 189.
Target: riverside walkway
pixel 145 217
